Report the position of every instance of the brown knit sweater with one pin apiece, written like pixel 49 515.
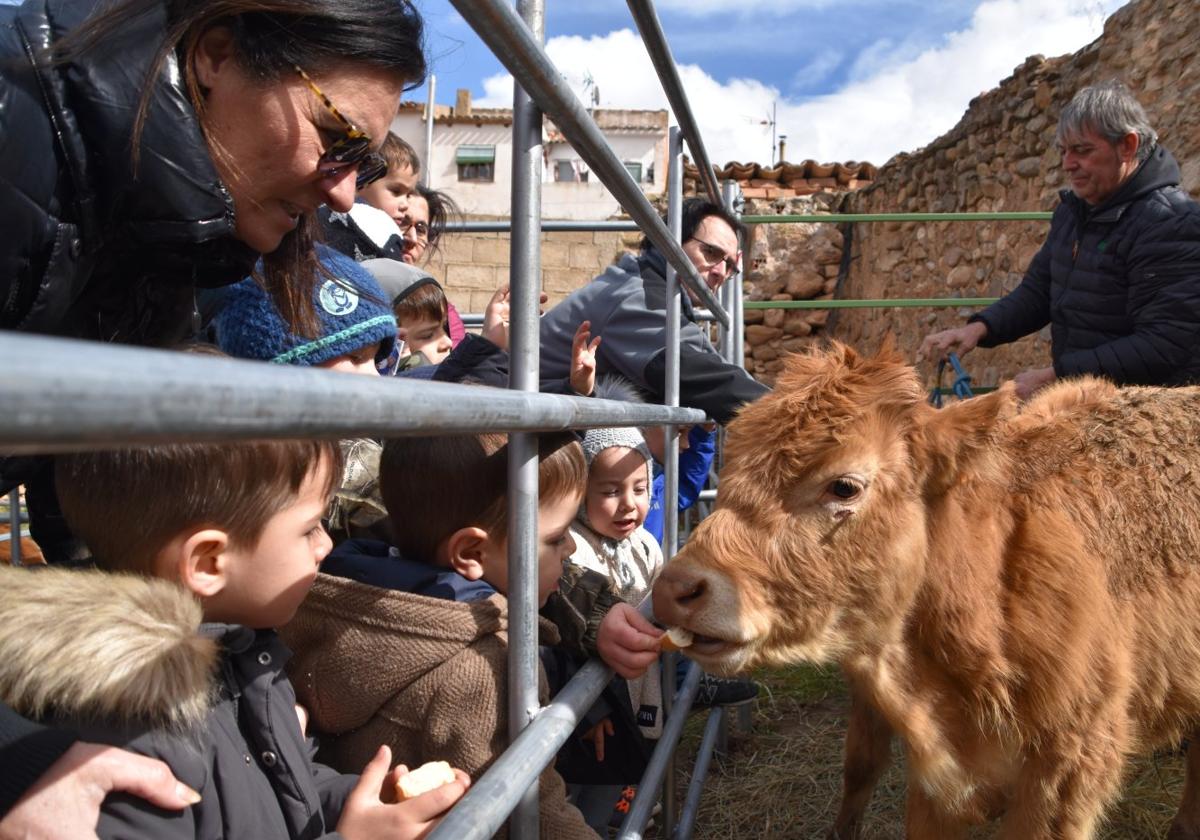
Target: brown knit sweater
pixel 425 676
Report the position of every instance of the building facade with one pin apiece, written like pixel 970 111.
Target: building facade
pixel 471 158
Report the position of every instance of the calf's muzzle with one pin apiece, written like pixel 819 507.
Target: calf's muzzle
pixel 679 593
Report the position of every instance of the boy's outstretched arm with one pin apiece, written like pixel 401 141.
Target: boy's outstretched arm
pixel 372 810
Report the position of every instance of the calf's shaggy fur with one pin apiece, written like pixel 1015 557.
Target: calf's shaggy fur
pixel 1014 588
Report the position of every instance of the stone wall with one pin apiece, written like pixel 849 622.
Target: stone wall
pixel 471 266
pixel 1002 156
pixel 788 262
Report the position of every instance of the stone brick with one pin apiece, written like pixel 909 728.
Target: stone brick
pixel 795 323
pixel 481 277
pixel 1028 167
pixel 493 251
pixel 758 334
pixel 960 276
pixel 479 301
pixel 556 254
pixel 584 255
pixel 457 248
pixel 764 353
pixel 565 280
pixel 802 286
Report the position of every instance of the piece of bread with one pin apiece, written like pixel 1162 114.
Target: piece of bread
pixel 677 638
pixel 429 776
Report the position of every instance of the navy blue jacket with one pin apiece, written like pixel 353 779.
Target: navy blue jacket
pixel 1118 283
pixel 694 464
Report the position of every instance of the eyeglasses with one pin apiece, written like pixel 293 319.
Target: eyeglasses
pixel 420 228
pixel 353 149
pixel 713 255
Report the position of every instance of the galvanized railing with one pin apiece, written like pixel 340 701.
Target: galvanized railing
pixel 139 397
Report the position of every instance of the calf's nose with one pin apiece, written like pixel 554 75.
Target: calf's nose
pixel 679 593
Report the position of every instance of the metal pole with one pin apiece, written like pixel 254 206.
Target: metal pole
pixel 548 226
pixel 525 287
pixel 14 524
pixel 738 316
pixel 498 26
pixel 633 826
pixel 691 803
pixel 139 396
pixel 430 104
pixel 839 218
pixel 671 398
pixel 660 54
pixel 727 301
pixel 482 810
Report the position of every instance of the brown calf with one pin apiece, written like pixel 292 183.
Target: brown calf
pixel 1016 590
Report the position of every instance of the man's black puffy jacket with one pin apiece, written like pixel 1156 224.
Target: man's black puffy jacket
pixel 1119 284
pixel 92 247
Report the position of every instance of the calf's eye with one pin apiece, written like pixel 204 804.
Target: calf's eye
pixel 843 489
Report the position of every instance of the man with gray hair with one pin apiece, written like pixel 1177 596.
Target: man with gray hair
pixel 1118 278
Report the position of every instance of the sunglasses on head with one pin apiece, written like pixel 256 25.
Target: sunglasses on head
pixel 352 150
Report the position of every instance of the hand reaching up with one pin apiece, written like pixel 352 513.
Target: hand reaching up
pixel 497 315
pixel 583 360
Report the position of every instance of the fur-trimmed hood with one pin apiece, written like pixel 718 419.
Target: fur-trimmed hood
pixel 113 648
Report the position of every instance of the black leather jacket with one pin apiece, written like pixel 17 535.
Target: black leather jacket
pixel 92 246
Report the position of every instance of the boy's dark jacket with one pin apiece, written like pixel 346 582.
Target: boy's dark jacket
pixel 393 651
pixel 125 660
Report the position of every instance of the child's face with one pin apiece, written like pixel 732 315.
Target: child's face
pixel 555 546
pixel 618 492
pixel 426 336
pixel 414 227
pixel 266 582
pixel 391 192
pixel 361 361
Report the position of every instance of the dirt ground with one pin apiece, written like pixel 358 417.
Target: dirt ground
pixel 783 779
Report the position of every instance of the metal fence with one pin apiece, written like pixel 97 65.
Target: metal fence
pixel 133 396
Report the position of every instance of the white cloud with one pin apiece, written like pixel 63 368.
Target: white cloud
pixel 813 73
pixel 894 102
pixel 742 7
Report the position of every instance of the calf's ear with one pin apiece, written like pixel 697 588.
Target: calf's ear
pixel 951 442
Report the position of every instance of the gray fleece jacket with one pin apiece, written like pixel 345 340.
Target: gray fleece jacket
pixel 627 307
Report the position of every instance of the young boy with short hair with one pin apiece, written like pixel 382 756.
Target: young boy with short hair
pixel 407 645
pixel 233 534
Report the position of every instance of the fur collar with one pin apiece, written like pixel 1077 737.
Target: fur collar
pixel 111 648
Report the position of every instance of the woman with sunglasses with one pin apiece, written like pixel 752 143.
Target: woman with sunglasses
pixel 151 148
pixel 166 145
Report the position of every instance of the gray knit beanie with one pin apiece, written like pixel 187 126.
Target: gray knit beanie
pixel 596 441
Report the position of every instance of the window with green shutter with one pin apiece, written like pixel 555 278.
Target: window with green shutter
pixel 476 162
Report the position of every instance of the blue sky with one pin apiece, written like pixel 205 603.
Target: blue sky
pixel 850 79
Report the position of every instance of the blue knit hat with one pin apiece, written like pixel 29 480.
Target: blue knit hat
pixel 352 309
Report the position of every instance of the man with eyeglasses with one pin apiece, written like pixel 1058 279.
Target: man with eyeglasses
pixel 626 306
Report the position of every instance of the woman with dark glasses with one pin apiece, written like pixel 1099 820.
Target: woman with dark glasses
pixel 166 145
pixel 151 148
